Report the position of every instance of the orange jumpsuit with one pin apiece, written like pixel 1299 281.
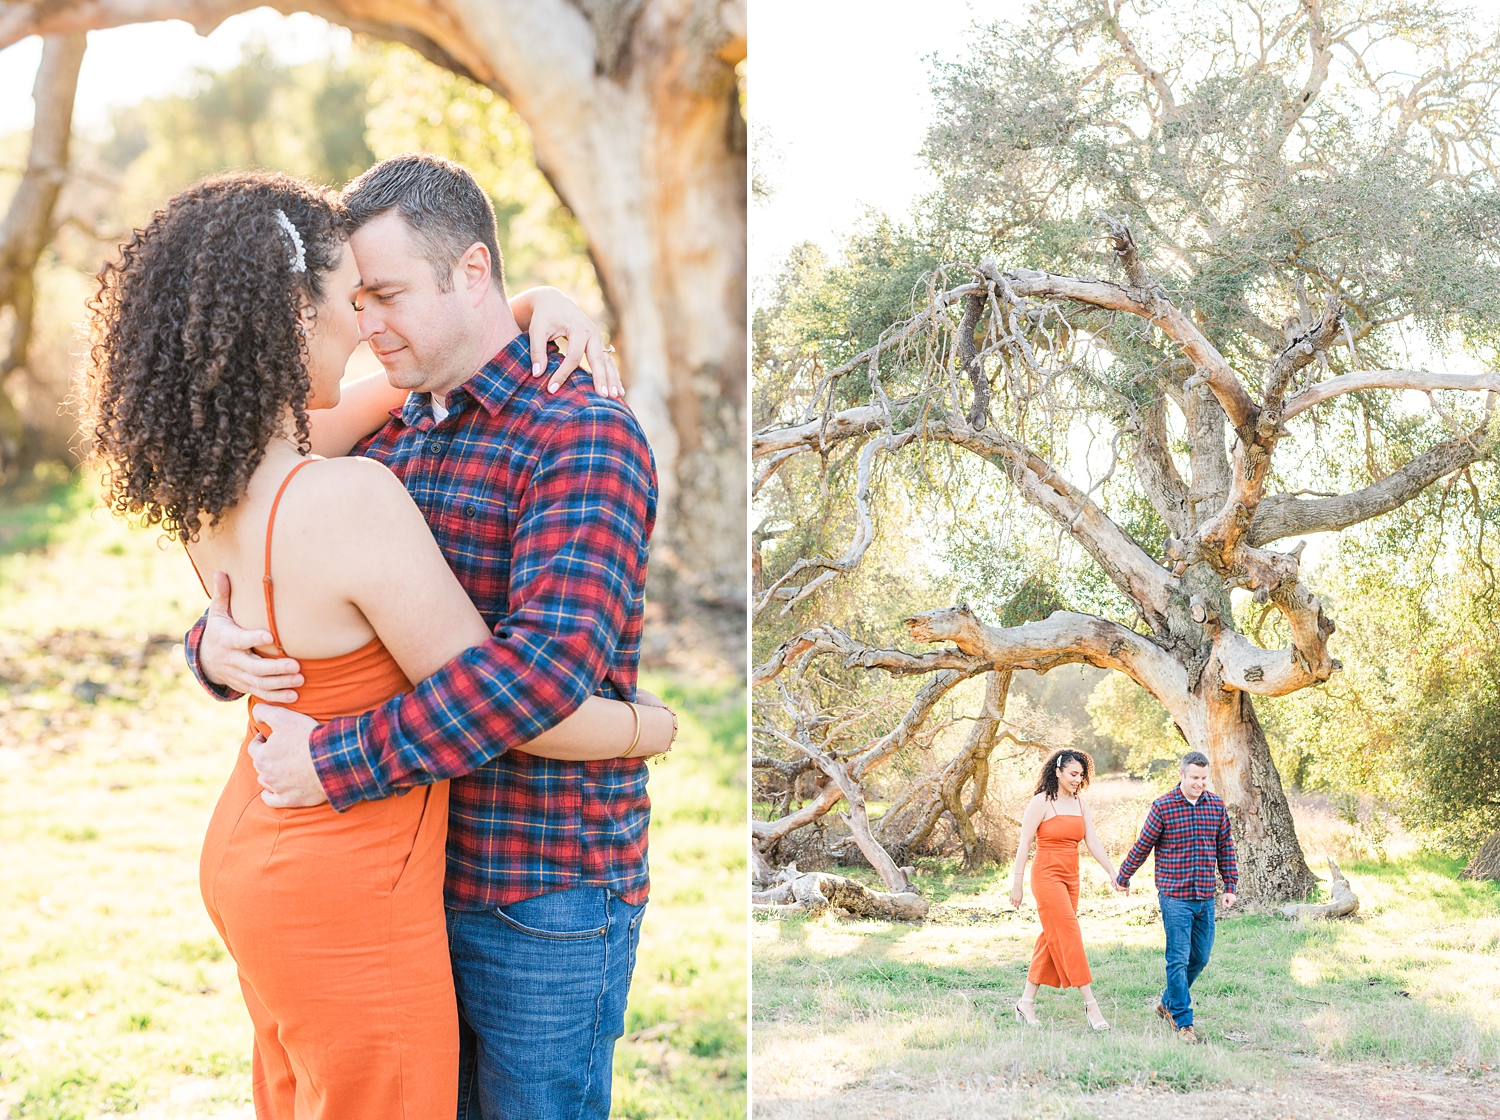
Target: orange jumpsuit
pixel 1058 961
pixel 336 923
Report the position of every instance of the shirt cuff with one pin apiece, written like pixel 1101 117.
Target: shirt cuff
pixel 190 644
pixel 339 757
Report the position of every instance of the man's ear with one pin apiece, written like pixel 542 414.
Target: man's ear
pixel 473 272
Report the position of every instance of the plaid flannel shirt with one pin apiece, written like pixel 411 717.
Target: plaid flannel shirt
pixel 542 505
pixel 1188 839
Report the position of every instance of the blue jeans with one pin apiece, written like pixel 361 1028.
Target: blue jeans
pixel 541 1000
pixel 1190 939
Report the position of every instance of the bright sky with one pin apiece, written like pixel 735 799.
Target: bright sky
pixel 125 64
pixel 840 88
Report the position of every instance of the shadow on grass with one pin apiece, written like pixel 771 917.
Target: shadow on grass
pixel 1368 990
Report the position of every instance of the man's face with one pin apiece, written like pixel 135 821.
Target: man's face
pixel 1194 780
pixel 418 331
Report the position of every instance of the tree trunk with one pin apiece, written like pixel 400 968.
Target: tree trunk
pixel 1267 853
pixel 976 762
pixel 28 223
pixel 1486 862
pixel 634 111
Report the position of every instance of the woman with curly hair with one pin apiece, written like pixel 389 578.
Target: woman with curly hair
pixel 1058 818
pixel 220 337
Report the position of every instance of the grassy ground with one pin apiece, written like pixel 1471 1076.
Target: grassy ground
pixel 116 996
pixel 915 1019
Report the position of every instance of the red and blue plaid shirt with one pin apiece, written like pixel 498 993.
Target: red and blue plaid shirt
pixel 1188 839
pixel 542 505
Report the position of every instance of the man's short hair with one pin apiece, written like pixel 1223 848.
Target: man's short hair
pixel 1193 758
pixel 446 210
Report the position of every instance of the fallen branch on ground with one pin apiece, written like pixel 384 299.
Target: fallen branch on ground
pixel 1343 904
pixel 811 893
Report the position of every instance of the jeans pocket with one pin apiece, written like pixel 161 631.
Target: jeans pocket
pixel 548 934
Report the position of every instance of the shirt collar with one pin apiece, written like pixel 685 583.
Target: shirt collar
pixel 495 383
pixel 499 379
pixel 1203 798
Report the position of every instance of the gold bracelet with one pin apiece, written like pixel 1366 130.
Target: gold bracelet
pixel 635 742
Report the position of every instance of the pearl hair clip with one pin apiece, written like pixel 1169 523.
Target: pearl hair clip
pixel 299 259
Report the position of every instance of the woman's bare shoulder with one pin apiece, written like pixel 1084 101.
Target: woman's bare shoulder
pixel 349 500
pixel 355 484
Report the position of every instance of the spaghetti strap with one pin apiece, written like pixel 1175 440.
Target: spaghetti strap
pixel 266 581
pixel 197 573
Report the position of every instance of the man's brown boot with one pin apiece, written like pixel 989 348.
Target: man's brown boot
pixel 1185 1034
pixel 1165 1014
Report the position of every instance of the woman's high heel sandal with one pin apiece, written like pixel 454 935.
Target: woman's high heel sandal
pixel 1030 1021
pixel 1102 1024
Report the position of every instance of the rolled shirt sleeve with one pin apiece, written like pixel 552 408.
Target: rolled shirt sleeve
pixel 192 642
pixel 1150 835
pixel 579 551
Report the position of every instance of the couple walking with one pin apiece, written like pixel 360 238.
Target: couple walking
pixel 1187 827
pixel 429 862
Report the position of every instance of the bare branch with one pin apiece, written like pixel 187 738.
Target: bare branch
pixel 1065 637
pixel 882 749
pixel 819 435
pixel 1388 379
pixel 1158 473
pixel 1157 308
pixel 1281 515
pixel 864 534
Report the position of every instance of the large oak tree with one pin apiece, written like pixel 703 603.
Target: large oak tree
pixel 1200 238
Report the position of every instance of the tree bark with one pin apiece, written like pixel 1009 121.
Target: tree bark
pixel 28 225
pixel 634 111
pixel 1486 861
pixel 1267 854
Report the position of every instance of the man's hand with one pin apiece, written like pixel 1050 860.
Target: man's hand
pixel 283 763
pixel 1119 887
pixel 227 655
pixel 554 315
pixel 1229 899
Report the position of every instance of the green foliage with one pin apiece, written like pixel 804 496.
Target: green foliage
pixel 1451 753
pixel 306 120
pixel 1130 717
pixel 1412 719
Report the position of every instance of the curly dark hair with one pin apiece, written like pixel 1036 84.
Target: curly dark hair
pixel 1047 781
pixel 196 345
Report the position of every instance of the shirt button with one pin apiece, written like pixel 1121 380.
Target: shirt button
pixel 471 510
pixel 434 447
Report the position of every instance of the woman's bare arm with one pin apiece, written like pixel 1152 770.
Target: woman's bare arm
pixel 393 572
pixel 1095 845
pixel 1029 821
pixel 364 406
pixel 365 403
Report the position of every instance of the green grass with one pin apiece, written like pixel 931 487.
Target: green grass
pixel 116 995
pixel 1413 980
